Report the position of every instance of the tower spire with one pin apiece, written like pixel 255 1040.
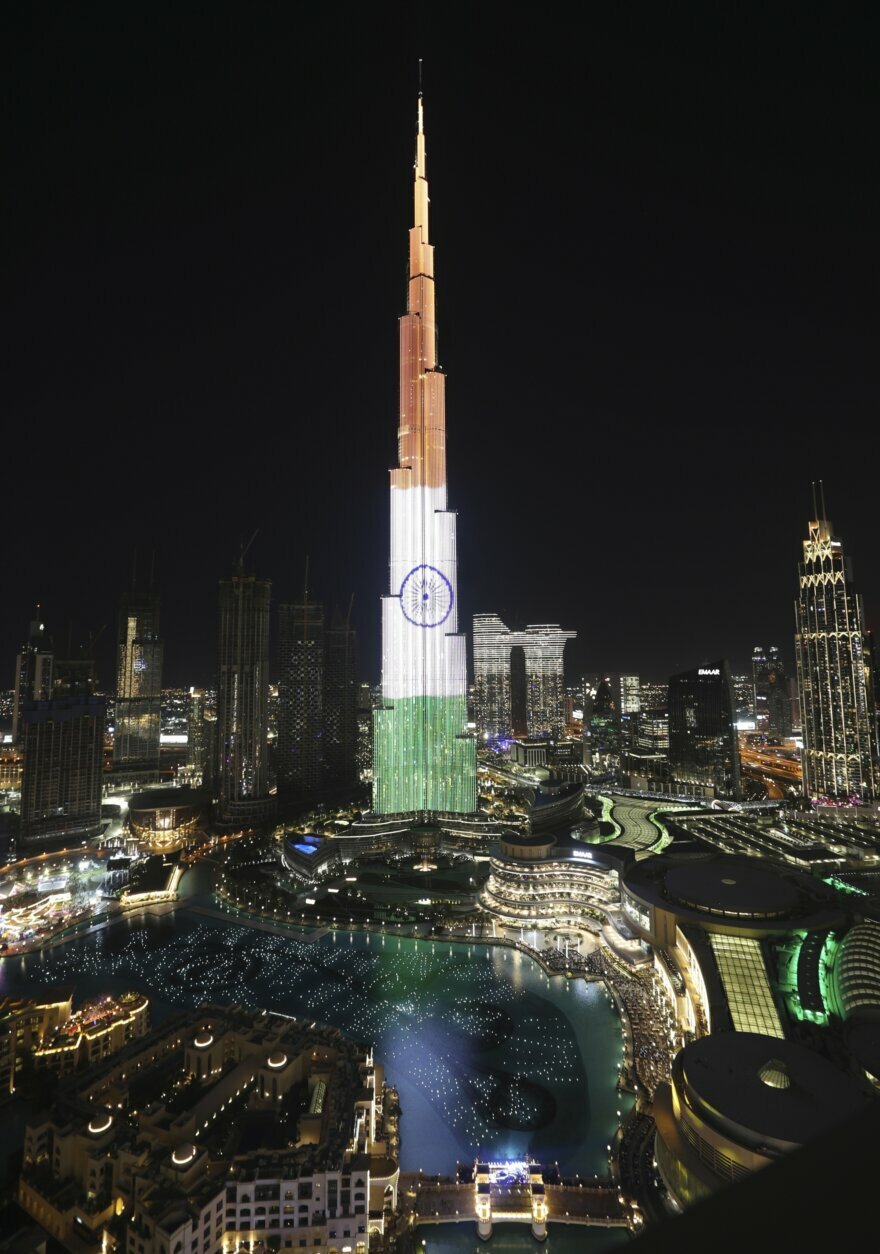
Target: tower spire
pixel 420 216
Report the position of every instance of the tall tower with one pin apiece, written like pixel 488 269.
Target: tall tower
pixel 63 770
pixel 840 758
pixel 33 673
pixel 243 699
pixel 703 746
pixel 424 759
pixel 138 686
pixel 301 697
pixel 340 702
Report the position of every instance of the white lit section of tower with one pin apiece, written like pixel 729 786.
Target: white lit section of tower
pixel 424 758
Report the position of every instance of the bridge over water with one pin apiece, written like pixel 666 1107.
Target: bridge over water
pixel 499 1195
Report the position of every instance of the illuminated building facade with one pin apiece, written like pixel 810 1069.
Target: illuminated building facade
pixel 165 819
pixel 91 1157
pixel 630 694
pixel 318 694
pixel 840 760
pixel 138 687
pixel 499 655
pixel 243 700
pixel 536 881
pixel 63 770
pixel 33 673
pixel 423 757
pixel 300 697
pixel 772 701
pixel 602 728
pixel 703 749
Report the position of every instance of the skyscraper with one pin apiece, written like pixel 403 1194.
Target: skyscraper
pixel 492 677
pixel 499 656
pixel 300 697
pixel 138 686
pixel 840 759
pixel 760 665
pixel 703 748
pixel 33 672
pixel 772 700
pixel 423 758
pixel 317 718
pixel 243 699
pixel 629 687
pixel 340 703
pixel 602 726
pixel 199 737
pixel 63 770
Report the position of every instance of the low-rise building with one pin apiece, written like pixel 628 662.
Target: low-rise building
pixel 535 879
pixel 225 1130
pixel 46 1028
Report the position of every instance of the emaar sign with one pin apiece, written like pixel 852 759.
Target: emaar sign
pixel 709 670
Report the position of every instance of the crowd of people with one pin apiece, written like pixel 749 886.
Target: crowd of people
pixel 648 1014
pixel 562 960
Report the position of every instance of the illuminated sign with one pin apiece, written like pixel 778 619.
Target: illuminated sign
pixel 709 670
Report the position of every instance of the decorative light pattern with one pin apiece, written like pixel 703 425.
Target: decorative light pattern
pixel 426 597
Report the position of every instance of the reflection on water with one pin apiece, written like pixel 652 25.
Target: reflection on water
pixel 487 1053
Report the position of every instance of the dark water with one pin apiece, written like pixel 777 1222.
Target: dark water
pixel 488 1054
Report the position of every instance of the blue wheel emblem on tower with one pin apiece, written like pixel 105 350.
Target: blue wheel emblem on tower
pixel 426 597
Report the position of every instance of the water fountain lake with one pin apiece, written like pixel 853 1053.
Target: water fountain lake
pixel 489 1055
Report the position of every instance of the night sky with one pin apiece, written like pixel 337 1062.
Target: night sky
pixel 657 299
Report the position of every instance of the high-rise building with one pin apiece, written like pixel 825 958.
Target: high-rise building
pixel 771 696
pixel 630 693
pixel 760 666
pixel 300 698
pixel 602 727
pixel 138 687
pixel 840 758
pixel 33 672
pixel 492 698
pixel 744 695
pixel 340 703
pixel 519 678
pixel 703 748
pixel 423 756
pixel 63 770
pixel 317 717
pixel 242 700
pixel 364 751
pixel 198 736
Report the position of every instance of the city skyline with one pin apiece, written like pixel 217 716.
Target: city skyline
pixel 574 915
pixel 691 264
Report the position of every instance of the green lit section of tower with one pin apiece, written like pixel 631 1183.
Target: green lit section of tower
pixel 424 758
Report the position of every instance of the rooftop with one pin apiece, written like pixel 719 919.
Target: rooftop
pixel 773 1089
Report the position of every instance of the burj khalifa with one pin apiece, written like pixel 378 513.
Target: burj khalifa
pixel 424 759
